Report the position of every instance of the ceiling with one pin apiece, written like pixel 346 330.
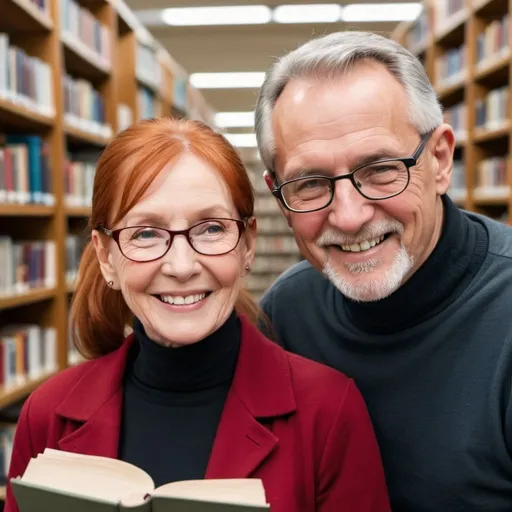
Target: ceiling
pixel 239 48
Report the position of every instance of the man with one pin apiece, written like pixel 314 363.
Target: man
pixel 402 291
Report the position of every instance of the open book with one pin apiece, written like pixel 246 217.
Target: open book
pixel 59 481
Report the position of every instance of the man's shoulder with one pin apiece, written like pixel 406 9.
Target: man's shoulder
pixel 299 276
pixel 316 385
pixel 500 234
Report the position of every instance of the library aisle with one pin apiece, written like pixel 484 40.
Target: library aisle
pixel 73 73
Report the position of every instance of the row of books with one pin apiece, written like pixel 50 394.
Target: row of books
pixel 42 5
pixel 180 93
pixel 419 31
pixel 25 80
pixel 276 244
pixel 266 205
pixel 458 180
pixel 491 172
pixel 25 265
pixel 450 65
pixel 25 171
pixel 443 10
pixel 80 25
pixel 84 106
pixel 27 352
pixel 124 116
pixel 275 265
pixel 493 41
pixel 78 182
pixel 74 247
pixel 456 117
pixel 260 282
pixel 7 432
pixel 275 224
pixel 492 110
pixel 146 103
pixel 147 67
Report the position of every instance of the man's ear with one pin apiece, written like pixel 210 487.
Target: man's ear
pixel 443 155
pixel 104 258
pixel 269 180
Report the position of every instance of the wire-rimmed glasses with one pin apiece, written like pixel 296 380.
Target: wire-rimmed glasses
pixel 212 237
pixel 378 180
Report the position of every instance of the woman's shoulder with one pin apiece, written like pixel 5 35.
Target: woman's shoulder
pixel 53 390
pixel 317 381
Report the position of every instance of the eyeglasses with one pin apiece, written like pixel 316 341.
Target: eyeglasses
pixel 375 181
pixel 212 237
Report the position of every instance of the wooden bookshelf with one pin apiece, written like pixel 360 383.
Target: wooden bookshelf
pixel 112 74
pixel 18 392
pixel 467 38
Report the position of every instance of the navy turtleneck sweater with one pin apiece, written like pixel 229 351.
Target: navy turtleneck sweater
pixel 173 400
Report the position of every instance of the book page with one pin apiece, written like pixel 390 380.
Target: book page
pixel 239 491
pixel 98 477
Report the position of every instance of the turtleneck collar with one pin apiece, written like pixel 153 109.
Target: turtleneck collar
pixel 203 365
pixel 450 267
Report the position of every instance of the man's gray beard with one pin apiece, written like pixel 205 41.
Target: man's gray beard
pixel 368 290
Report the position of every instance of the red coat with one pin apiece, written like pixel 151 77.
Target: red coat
pixel 301 427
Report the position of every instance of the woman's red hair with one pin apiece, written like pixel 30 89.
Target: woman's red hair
pixel 125 170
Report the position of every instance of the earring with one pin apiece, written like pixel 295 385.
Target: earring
pixel 111 283
pixel 247 269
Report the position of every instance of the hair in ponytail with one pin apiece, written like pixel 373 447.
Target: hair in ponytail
pixel 125 170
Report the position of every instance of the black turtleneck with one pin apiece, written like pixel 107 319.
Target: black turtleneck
pixel 448 270
pixel 173 400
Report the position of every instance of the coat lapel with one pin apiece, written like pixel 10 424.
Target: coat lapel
pixel 261 391
pixel 93 407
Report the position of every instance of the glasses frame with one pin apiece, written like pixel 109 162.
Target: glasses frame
pixel 409 161
pixel 115 234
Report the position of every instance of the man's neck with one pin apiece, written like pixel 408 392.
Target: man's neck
pixel 456 257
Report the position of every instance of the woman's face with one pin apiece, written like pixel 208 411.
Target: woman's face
pixel 184 296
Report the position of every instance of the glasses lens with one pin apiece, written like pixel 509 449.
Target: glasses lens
pixel 307 193
pixel 143 243
pixel 216 236
pixel 381 180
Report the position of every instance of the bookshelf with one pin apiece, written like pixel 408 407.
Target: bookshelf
pixel 72 74
pixel 465 46
pixel 276 249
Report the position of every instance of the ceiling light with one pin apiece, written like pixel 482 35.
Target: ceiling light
pixel 234 119
pixel 242 140
pixel 227 80
pixel 221 15
pixel 307 13
pixel 381 12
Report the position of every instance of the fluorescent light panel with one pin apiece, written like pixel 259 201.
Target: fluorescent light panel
pixel 287 13
pixel 381 12
pixel 242 140
pixel 307 13
pixel 227 80
pixel 234 119
pixel 221 15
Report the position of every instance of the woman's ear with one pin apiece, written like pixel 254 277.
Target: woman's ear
pixel 104 257
pixel 250 242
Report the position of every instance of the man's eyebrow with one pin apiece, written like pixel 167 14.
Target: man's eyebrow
pixel 374 156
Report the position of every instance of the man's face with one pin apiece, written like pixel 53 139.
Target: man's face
pixel 366 248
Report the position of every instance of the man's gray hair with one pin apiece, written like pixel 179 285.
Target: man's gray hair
pixel 333 55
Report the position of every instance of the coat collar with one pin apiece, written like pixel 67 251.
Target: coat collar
pixel 261 390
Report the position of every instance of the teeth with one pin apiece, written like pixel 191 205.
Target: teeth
pixel 364 245
pixel 179 300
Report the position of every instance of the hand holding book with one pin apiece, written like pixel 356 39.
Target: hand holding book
pixel 61 481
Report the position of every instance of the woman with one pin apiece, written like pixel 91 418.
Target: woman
pixel 196 391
